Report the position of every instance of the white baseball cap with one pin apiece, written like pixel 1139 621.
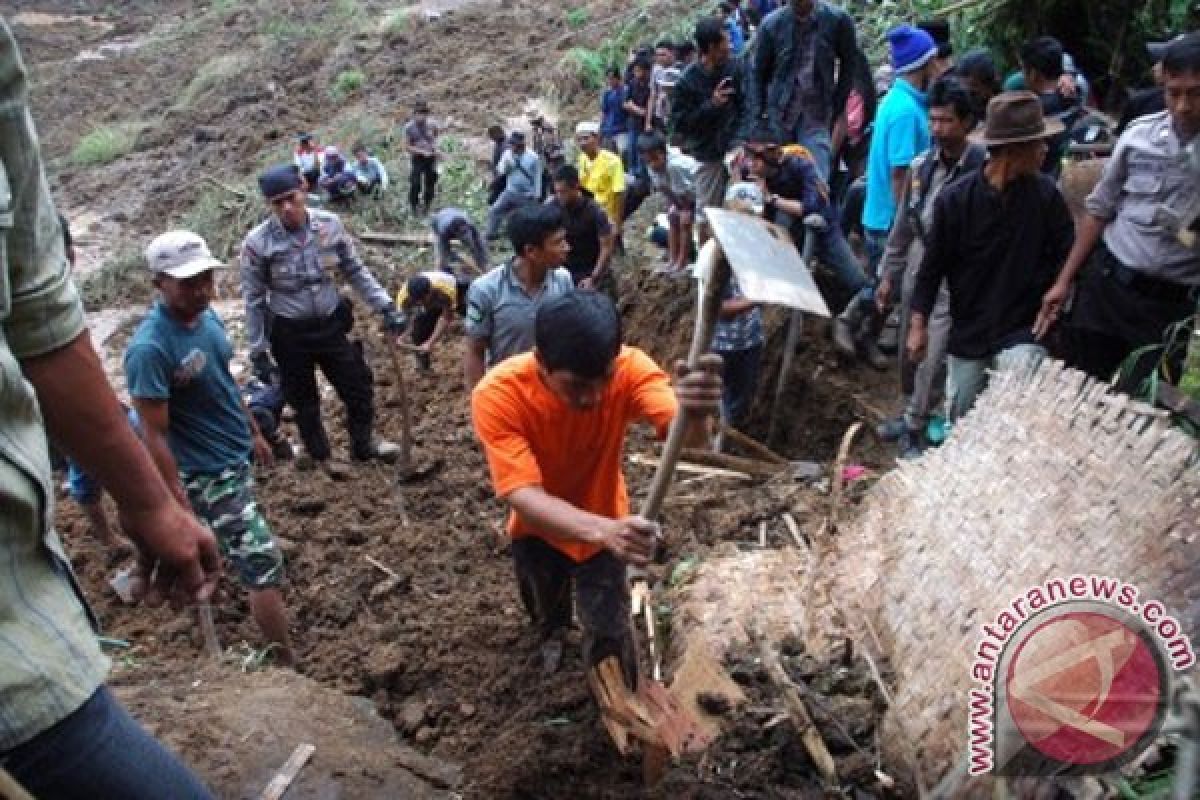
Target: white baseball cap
pixel 180 254
pixel 587 128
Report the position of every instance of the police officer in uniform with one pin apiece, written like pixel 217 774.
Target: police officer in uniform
pixel 1139 241
pixel 293 308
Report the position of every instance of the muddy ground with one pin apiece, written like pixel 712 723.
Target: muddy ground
pixel 443 651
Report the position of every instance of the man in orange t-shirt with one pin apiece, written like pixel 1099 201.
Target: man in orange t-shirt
pixel 552 423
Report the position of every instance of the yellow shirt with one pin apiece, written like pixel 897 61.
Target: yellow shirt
pixel 443 285
pixel 604 177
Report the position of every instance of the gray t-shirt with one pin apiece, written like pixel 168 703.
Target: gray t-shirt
pixel 500 310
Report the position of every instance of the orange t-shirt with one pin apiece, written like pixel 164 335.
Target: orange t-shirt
pixel 532 438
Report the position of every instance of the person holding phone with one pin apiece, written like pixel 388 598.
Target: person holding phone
pixel 706 111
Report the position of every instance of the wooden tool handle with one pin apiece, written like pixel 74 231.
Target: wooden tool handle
pixel 706 319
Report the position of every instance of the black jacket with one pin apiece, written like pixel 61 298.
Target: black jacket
pixel 769 67
pixel 708 130
pixel 999 252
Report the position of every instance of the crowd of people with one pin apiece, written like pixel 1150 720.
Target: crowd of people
pixel 964 228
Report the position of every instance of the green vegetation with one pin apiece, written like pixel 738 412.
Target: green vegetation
pixel 118 283
pixel 628 30
pixel 223 69
pixel 577 18
pixel 104 145
pixel 347 82
pixel 396 22
pixel 1105 36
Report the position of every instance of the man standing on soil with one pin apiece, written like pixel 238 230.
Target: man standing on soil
pixel 553 424
pixel 453 224
pixel 293 306
pixel 1143 273
pixel 999 237
pixel 590 237
pixel 803 68
pixel 420 140
pixel 601 173
pixel 62 734
pixel 951 118
pixel 196 426
pixel 522 172
pixel 706 110
pixel 501 304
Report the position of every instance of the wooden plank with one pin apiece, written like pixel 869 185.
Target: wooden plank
pixel 380 237
pixel 798 711
pixel 288 772
pixel 696 469
pixel 794 530
pixel 754 446
pixel 750 466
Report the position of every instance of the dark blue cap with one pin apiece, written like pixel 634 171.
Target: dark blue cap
pixel 280 180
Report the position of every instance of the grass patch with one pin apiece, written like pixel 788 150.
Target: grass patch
pixel 286 29
pixel 589 66
pixel 348 82
pixel 577 18
pixel 103 145
pixel 640 27
pixel 123 280
pixel 220 70
pixel 396 22
pixel 223 219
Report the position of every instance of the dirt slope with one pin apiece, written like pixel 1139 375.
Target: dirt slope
pixel 445 652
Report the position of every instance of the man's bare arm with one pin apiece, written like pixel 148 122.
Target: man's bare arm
pixel 474 364
pixel 84 418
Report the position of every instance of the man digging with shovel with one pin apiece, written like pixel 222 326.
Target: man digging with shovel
pixel 552 424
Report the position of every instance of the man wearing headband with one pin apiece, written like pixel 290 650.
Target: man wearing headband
pixel 293 309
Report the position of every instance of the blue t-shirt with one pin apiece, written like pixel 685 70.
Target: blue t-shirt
pixel 82 487
pixel 901 133
pixel 612 112
pixel 189 368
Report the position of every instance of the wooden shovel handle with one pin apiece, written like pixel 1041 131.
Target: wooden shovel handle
pixel 702 333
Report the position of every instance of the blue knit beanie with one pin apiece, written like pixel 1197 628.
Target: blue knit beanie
pixel 912 48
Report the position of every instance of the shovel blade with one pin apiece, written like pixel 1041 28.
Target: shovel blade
pixel 765 262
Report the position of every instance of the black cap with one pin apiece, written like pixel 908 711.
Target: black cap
pixel 279 180
pixel 939 31
pixel 418 287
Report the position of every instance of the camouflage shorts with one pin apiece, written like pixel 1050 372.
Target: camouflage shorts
pixel 225 502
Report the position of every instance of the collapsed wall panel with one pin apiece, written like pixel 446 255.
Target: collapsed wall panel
pixel 1049 476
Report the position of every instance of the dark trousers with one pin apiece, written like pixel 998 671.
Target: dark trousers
pixel 1118 312
pixel 299 347
pixel 739 382
pixel 422 181
pixel 601 597
pixel 313 178
pixel 100 752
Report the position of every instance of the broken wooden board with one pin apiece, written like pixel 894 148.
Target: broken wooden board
pixel 765 261
pixel 379 238
pixel 288 772
pixel 695 469
pixel 699 674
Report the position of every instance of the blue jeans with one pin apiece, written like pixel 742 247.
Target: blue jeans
pixel 875 242
pixel 832 250
pixel 967 377
pixel 820 144
pixel 739 381
pixel 100 752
